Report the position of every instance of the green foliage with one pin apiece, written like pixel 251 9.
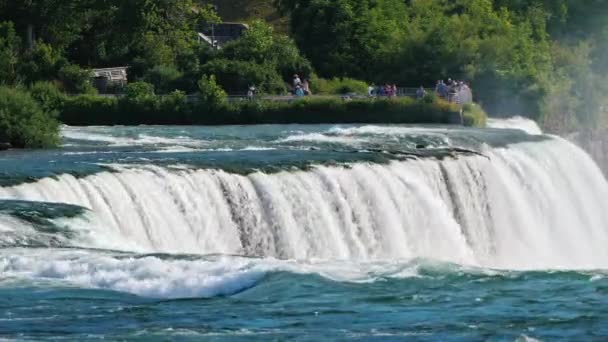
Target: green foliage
pixel 76 80
pixel 270 59
pixel 92 109
pixel 546 59
pixel 165 78
pixel 175 103
pixel 48 95
pixel 139 98
pixel 9 49
pixel 41 63
pixel 474 115
pixel 213 110
pixel 211 94
pixel 503 47
pixel 139 91
pixel 237 76
pixel 337 86
pixel 23 121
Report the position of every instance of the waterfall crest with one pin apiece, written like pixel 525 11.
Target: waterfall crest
pixel 529 205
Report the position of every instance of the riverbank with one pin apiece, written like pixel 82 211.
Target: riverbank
pixel 174 109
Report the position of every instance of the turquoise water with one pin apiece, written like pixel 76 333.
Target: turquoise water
pixel 442 302
pixel 303 232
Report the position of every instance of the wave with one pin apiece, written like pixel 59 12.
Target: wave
pixel 173 277
pixel 92 135
pixel 323 138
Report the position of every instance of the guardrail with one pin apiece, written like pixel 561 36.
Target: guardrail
pixel 461 97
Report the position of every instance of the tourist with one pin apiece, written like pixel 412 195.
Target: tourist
pixel 420 93
pixel 296 80
pixel 371 90
pixel 250 93
pixel 299 91
pixel 306 88
pixel 388 90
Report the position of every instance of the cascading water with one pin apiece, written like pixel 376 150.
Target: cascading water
pixel 535 203
pixel 526 206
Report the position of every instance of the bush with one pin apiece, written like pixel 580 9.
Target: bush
pixel 174 107
pixel 76 80
pixel 90 110
pixel 211 94
pixel 139 100
pixel 236 76
pixel 48 95
pixel 474 115
pixel 23 121
pixel 165 78
pixel 337 86
pixel 142 107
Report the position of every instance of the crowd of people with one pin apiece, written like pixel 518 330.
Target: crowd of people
pixel 452 91
pixel 387 90
pixel 300 88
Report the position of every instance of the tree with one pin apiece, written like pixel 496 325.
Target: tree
pixel 52 21
pixel 9 53
pixel 211 94
pixel 23 123
pixel 261 58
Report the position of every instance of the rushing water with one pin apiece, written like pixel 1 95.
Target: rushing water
pixel 308 232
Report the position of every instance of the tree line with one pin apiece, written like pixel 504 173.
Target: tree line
pixel 545 59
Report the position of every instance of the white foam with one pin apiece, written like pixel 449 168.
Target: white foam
pixel 92 134
pixel 145 276
pixel 386 130
pixel 529 206
pixel 517 122
pixel 156 277
pixel 320 137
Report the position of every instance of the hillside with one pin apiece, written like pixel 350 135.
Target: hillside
pixel 247 10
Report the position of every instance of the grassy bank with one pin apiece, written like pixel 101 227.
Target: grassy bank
pixel 175 110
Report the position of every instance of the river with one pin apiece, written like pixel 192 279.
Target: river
pixel 308 232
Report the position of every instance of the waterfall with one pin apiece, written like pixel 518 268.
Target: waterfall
pixel 528 205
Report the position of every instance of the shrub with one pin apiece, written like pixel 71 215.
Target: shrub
pixel 23 121
pixel 139 92
pixel 211 94
pixel 143 107
pixel 337 86
pixel 90 110
pixel 473 115
pixel 174 107
pixel 237 76
pixel 139 101
pixel 48 95
pixel 165 78
pixel 76 80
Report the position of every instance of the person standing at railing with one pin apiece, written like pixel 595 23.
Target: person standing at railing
pixel 306 88
pixel 420 93
pixel 250 93
pixel 296 81
pixel 299 92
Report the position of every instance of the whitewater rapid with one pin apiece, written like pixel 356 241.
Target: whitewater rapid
pixel 530 205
